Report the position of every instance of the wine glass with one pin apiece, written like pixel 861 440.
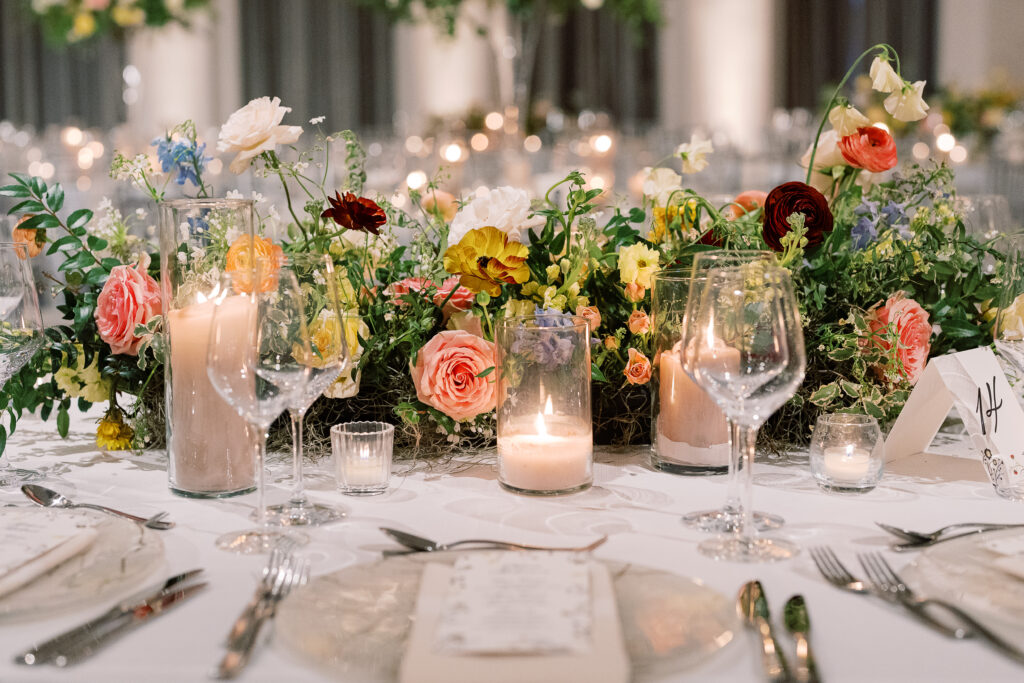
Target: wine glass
pixel 258 340
pixel 329 357
pixel 743 344
pixel 21 333
pixel 727 518
pixel 1008 327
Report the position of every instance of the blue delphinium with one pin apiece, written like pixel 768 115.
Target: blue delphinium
pixel 547 344
pixel 182 158
pixel 863 233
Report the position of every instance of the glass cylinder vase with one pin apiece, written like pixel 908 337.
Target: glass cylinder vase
pixel 209 446
pixel 689 433
pixel 545 435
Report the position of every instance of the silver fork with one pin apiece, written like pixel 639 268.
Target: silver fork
pixel 836 573
pixel 885 577
pixel 280 556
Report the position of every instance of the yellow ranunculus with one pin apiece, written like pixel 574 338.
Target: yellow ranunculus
pixel 113 433
pixel 84 25
pixel 347 384
pixel 664 217
pixel 485 259
pixel 1011 324
pixel 637 263
pixel 125 15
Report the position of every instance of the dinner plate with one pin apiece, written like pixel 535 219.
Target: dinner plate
pixel 122 556
pixel 972 573
pixel 353 623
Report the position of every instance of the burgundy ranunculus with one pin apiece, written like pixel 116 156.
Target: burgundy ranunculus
pixel 790 198
pixel 355 213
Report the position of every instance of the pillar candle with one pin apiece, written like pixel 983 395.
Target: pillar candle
pixel 691 427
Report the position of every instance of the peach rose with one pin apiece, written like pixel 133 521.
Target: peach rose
pixel 441 203
pixel 611 343
pixel 445 374
pixel 239 261
pixel 461 300
pixel 396 290
pixel 638 368
pixel 591 314
pixel 130 297
pixel 635 292
pixel 638 323
pixel 913 329
pixel 28 237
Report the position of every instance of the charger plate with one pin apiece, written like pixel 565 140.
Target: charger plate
pixel 122 556
pixel 966 571
pixel 353 623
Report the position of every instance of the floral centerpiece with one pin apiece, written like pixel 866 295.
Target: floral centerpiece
pixel 885 272
pixel 72 21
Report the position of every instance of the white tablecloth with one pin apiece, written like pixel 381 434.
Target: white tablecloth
pixel 856 638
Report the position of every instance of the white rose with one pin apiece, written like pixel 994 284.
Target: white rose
pixel 505 208
pixel 883 77
pixel 660 183
pixel 254 129
pixel 694 153
pixel 846 120
pixel 828 154
pixel 907 103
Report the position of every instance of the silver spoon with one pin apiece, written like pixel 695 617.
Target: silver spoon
pixel 927 537
pixel 798 623
pixel 421 544
pixel 51 499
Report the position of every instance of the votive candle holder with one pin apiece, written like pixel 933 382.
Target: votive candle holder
pixel 362 456
pixel 847 452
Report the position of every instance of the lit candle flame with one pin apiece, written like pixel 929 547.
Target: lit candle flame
pixel 539 422
pixel 849 450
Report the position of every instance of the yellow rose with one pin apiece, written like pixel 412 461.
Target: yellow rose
pixel 84 25
pixel 124 15
pixel 637 263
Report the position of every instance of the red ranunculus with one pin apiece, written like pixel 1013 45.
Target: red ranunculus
pixel 870 148
pixel 355 213
pixel 790 198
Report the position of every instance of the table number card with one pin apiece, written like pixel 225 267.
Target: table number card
pixel 975 384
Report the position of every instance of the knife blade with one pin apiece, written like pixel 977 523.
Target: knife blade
pixel 753 609
pixel 95 640
pixel 46 651
pixel 798 623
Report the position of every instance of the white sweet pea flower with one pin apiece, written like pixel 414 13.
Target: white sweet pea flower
pixel 317 120
pixel 846 119
pixel 907 103
pixel 883 77
pixel 254 129
pixel 828 154
pixel 505 208
pixel 660 183
pixel 694 153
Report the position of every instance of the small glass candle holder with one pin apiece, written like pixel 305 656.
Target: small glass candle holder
pixel 847 452
pixel 362 456
pixel 545 436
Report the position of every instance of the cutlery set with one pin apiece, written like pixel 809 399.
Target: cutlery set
pixel 752 606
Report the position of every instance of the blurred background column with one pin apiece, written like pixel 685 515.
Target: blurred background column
pixel 981 42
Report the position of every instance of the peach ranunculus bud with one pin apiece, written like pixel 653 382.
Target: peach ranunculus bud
pixel 446 374
pixel 590 314
pixel 635 292
pixel 639 322
pixel 744 203
pixel 439 202
pixel 638 368
pixel 28 238
pixel 129 297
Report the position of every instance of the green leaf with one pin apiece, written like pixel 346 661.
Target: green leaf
pixel 62 242
pixel 851 389
pixel 485 372
pixel 3 438
pixel 27 206
pixel 55 198
pixel 79 218
pixel 96 243
pixel 110 263
pixel 63 422
pixel 596 375
pixel 843 353
pixel 21 178
pixel 40 220
pixel 873 410
pixel 14 191
pixel 408 413
pixel 825 394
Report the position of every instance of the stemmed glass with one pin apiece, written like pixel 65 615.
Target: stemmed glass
pixel 329 357
pixel 743 344
pixel 258 342
pixel 727 518
pixel 21 332
pixel 1008 328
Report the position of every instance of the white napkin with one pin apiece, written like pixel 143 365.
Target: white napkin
pixel 34 542
pixel 605 662
pixel 1011 551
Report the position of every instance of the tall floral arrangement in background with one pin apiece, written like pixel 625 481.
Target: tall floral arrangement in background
pixel 73 21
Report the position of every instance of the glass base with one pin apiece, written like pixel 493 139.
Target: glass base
pixel 559 492
pixel 737 549
pixel 844 488
pixel 722 522
pixel 687 470
pixel 304 514
pixel 212 494
pixel 257 541
pixel 13 477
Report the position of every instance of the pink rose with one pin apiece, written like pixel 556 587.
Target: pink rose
pixel 910 322
pixel 130 297
pixel 396 290
pixel 639 322
pixel 461 300
pixel 591 314
pixel 445 374
pixel 638 368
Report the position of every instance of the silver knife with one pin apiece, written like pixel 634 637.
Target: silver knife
pixel 46 651
pixel 753 609
pixel 127 622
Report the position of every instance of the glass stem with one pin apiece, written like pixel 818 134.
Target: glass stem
pixel 261 455
pixel 298 498
pixel 748 446
pixel 732 507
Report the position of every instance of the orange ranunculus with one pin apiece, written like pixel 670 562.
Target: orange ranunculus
pixel 870 148
pixel 28 237
pixel 744 203
pixel 243 258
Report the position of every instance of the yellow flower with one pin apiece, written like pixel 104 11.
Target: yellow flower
pixel 125 15
pixel 1011 324
pixel 485 258
pixel 637 263
pixel 113 433
pixel 81 381
pixel 347 384
pixel 666 216
pixel 518 307
pixel 84 26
